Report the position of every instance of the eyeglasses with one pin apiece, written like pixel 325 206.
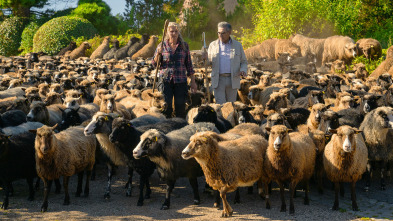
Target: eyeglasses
pixel 173 31
pixel 221 33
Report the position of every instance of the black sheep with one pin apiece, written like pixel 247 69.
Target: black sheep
pixel 313 97
pixel 208 114
pixel 71 117
pixel 305 90
pixel 138 45
pixel 12 118
pixel 17 161
pixel 126 137
pixel 244 115
pixel 122 52
pixel 296 116
pixel 111 53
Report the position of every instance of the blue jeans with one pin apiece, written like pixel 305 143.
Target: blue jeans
pixel 178 91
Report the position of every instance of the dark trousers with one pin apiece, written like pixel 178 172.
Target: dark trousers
pixel 177 91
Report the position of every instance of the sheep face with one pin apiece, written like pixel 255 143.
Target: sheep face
pixel 244 86
pixel 150 145
pixel 275 119
pixel 53 98
pixel 72 103
pixel 157 100
pixel 38 112
pixel 317 111
pixel 44 141
pixel 369 102
pixel 108 103
pixel 205 114
pixel 277 100
pixel 278 138
pixel 330 121
pixel 265 80
pixel 345 138
pixel 254 93
pixel 201 145
pixel 316 97
pixel 383 117
pixel 70 117
pixel 56 88
pixel 350 50
pixel 33 97
pixel 120 130
pixel 20 104
pixel 101 123
pixel 244 115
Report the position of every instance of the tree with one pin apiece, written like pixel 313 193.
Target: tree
pixel 21 8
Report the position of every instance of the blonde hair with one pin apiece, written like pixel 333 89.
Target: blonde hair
pixel 174 24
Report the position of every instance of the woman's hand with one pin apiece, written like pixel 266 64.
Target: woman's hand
pixel 194 87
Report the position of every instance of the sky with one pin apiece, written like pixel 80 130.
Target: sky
pixel 117 6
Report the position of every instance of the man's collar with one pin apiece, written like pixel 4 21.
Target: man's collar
pixel 229 42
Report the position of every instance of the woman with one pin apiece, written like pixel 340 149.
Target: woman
pixel 175 62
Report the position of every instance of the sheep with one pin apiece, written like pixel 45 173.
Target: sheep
pixel 126 136
pixel 87 110
pixel 264 50
pixel 345 160
pixel 274 119
pixel 111 53
pixel 12 118
pixel 377 132
pixel 289 156
pixel 243 91
pixel 223 162
pixel 295 116
pixel 320 139
pixel 286 45
pixel 43 89
pixel 345 102
pixel 148 50
pixel 339 48
pixel 165 151
pixel 313 97
pixel 257 113
pixel 22 128
pixel 122 52
pixel 80 51
pixel 56 88
pixel 99 94
pixel 277 101
pixel 13 92
pixel 315 117
pixel 208 114
pixel 53 98
pixel 63 154
pixel 70 47
pixel 48 115
pixel 102 49
pixel 108 105
pixel 370 48
pixel 310 46
pixel 385 81
pixel 17 161
pixel 137 45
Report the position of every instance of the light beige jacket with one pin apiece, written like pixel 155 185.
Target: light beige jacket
pixel 238 62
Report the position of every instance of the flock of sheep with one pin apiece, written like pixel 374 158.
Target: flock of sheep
pixel 300 114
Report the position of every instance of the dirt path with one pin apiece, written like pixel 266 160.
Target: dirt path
pixel 120 207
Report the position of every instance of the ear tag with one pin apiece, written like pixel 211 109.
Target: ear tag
pixel 81 95
pixel 212 110
pixel 106 118
pixel 205 139
pixel 156 139
pixel 129 125
pixel 323 92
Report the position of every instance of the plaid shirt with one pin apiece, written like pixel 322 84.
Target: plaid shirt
pixel 175 64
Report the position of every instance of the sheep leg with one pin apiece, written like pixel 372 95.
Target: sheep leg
pixel 283 205
pixel 194 184
pixel 250 190
pixel 11 190
pixel 87 184
pixel 79 187
pixel 353 197
pixel 342 190
pixel 237 196
pixel 306 199
pixel 217 199
pixel 148 190
pixel 107 194
pixel 58 186
pixel 227 210
pixel 93 174
pixel 31 189
pixel 7 194
pixel 141 186
pixel 320 178
pixel 367 175
pixel 37 184
pixel 129 182
pixel 67 195
pixel 336 190
pixel 169 187
pixel 383 166
pixel 260 189
pixel 292 189
pixel 44 206
pixel 267 197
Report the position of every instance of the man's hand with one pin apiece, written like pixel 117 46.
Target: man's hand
pixel 204 55
pixel 194 87
pixel 242 74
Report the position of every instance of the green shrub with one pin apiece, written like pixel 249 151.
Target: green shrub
pixel 58 32
pixel 10 35
pixel 97 40
pixel 26 45
pixel 370 64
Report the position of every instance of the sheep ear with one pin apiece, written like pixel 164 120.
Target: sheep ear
pixel 333 131
pixel 289 130
pixel 268 129
pixel 54 127
pixel 61 109
pixel 150 94
pixel 33 131
pixel 358 131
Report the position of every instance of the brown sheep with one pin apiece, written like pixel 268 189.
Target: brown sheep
pixel 345 160
pixel 360 71
pixel 277 101
pixel 310 46
pixel 80 51
pixel 148 50
pixel 257 113
pixel 99 94
pixel 243 91
pixel 319 138
pixel 53 98
pixel 288 157
pixel 108 105
pixel 339 48
pixel 376 89
pixel 43 89
pixel 63 154
pixel 345 103
pixel 285 45
pixel 56 88
pixel 315 117
pixel 48 115
pixel 102 49
pixel 370 48
pixel 223 162
pixel 264 50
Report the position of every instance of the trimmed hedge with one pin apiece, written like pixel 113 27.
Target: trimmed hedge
pixel 58 32
pixel 10 35
pixel 26 45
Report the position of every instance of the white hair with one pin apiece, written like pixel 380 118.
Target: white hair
pixel 174 24
pixel 225 25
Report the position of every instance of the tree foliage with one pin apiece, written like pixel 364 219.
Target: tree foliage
pixel 10 35
pixel 58 33
pixel 26 44
pixel 21 8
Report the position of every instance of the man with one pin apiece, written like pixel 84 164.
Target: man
pixel 228 64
